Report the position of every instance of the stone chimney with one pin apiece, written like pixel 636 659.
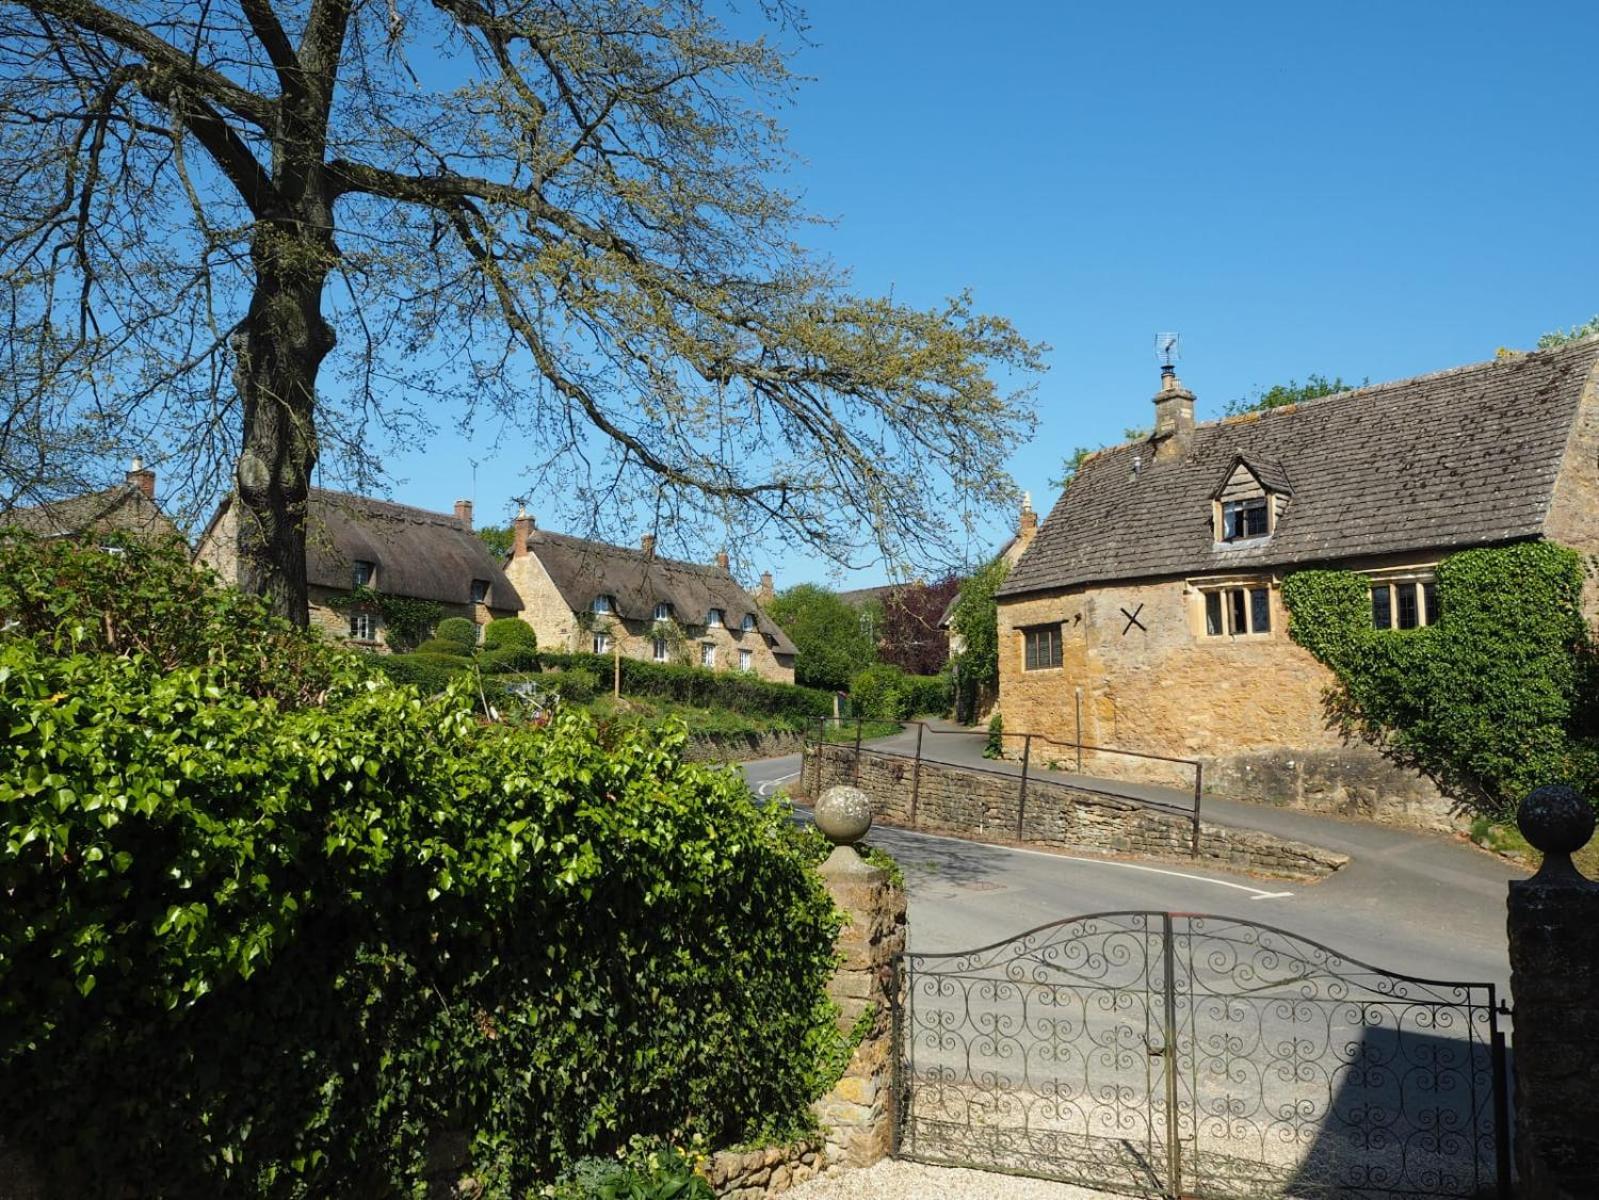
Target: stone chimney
pixel 1174 416
pixel 722 559
pixel 1027 526
pixel 141 477
pixel 647 544
pixel 766 592
pixel 463 514
pixel 520 529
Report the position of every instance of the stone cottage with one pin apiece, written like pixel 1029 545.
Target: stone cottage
pixel 589 596
pixel 130 508
pixel 393 549
pixel 1147 612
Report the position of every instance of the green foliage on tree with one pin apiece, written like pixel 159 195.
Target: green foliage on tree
pixel 1074 461
pixel 976 622
pixel 739 691
pixel 1561 337
pixel 273 929
pixel 1293 392
pixel 497 538
pixel 885 692
pixel 827 633
pixel 1491 701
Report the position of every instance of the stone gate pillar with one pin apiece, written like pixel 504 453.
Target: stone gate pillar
pixel 858 1114
pixel 1554 982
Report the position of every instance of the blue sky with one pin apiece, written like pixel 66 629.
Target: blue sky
pixel 1359 189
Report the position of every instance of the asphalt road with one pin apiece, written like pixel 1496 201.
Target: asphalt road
pixel 1422 905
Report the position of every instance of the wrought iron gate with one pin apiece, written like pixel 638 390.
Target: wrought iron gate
pixel 1176 1055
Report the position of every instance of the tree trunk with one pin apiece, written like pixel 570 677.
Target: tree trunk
pixel 279 348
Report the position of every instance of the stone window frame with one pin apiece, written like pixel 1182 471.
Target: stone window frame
pixel 1422 580
pixel 1201 590
pixel 363 625
pixel 1030 659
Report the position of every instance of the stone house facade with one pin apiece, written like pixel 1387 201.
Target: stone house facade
pixel 589 596
pixel 130 508
pixel 1147 614
pixel 394 549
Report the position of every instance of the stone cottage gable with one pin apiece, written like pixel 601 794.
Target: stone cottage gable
pixel 129 508
pixel 1459 458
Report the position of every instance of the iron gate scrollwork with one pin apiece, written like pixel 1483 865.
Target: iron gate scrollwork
pixel 1164 1055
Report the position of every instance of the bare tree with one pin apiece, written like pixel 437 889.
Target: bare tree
pixel 268 231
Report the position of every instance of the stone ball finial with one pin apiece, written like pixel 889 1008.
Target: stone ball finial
pixel 1556 819
pixel 843 814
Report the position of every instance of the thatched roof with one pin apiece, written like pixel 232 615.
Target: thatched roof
pixel 120 509
pixel 420 554
pixel 638 581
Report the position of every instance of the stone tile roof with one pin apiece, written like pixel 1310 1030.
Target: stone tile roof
pixel 1460 458
pixel 120 509
pixel 583 569
pixel 421 554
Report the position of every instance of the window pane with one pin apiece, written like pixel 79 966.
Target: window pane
pixel 1235 600
pixel 660 649
pixel 1260 610
pixel 1229 520
pixel 1030 650
pixel 1409 617
pixel 1213 614
pixel 1055 647
pixel 1382 607
pixel 1429 592
pixel 1255 519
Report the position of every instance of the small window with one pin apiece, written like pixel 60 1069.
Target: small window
pixel 1237 610
pixel 480 591
pixel 1408 611
pixel 604 604
pixel 663 611
pixel 716 618
pixel 1405 604
pixel 1429 602
pixel 1041 648
pixel 602 643
pixel 660 650
pixel 361 574
pixel 1382 606
pixel 363 628
pixel 746 660
pixel 1241 519
pixel 708 654
pixel 748 625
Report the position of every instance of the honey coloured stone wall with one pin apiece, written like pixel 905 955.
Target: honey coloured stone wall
pixel 970 803
pixel 1144 676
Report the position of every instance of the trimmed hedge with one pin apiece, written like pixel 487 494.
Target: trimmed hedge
pixel 458 630
pixel 884 692
pixel 507 633
pixel 706 689
pixel 260 942
pixel 430 674
pixel 444 646
pixel 509 659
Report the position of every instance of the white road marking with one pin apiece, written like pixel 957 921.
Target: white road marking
pixel 1254 893
pixel 765 789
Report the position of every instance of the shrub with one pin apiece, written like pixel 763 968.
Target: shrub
pixel 444 647
pixel 428 673
pixel 573 684
pixel 879 692
pixel 1492 700
pixel 508 633
pixel 926 695
pixel 705 689
pixel 509 659
pixel 459 630
pixel 994 747
pixel 661 1173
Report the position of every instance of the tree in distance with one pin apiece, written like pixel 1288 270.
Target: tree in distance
pixel 261 236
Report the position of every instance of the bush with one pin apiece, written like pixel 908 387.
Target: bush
pixel 509 659
pixel 662 1173
pixel 443 647
pixel 926 695
pixel 458 630
pixel 803 707
pixel 878 692
pixel 258 941
pixel 573 684
pixel 994 747
pixel 428 673
pixel 508 633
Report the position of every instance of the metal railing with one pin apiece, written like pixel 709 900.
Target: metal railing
pixel 1099 787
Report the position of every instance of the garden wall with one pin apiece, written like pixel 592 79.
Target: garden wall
pixel 978 804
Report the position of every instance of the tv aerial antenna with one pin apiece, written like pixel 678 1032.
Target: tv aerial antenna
pixel 1167 351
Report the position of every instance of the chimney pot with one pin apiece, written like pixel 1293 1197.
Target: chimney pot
pixel 722 559
pixel 765 592
pixel 647 544
pixel 141 477
pixel 463 513
pixel 1027 526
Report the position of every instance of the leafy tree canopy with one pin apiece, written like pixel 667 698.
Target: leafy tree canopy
pixel 1560 337
pixel 910 635
pixel 497 538
pixel 254 240
pixel 976 621
pixel 1281 395
pixel 828 633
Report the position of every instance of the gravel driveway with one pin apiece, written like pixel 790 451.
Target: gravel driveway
pixel 891 1180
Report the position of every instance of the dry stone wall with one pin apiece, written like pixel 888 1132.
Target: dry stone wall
pixel 969 803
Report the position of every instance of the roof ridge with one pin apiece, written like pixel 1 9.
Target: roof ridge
pixel 635 552
pixel 436 517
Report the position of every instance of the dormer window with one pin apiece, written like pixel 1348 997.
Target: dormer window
pixel 748 625
pixel 604 605
pixel 716 618
pixel 1249 501
pixel 1241 519
pixel 663 611
pixel 361 574
pixel 480 591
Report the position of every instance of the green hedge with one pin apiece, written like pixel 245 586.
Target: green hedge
pixel 444 646
pixel 706 689
pixel 509 659
pixel 428 673
pixel 261 942
pixel 509 632
pixel 458 630
pixel 884 692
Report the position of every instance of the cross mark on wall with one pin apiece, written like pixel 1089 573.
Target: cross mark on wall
pixel 1132 619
